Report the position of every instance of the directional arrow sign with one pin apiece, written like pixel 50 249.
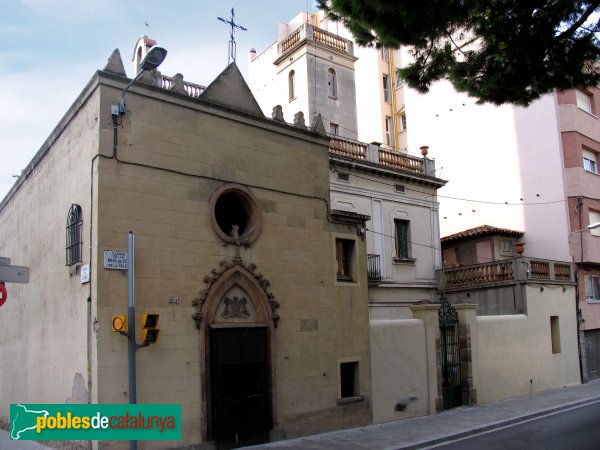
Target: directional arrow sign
pixel 14 274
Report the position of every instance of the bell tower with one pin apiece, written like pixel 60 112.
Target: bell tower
pixel 141 49
pixel 311 70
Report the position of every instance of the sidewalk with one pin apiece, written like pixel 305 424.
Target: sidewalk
pixel 6 443
pixel 448 425
pixel 421 431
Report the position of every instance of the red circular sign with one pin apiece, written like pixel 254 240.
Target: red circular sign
pixel 3 294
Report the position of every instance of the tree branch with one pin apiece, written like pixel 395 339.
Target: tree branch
pixel 579 22
pixel 460 47
pixel 454 43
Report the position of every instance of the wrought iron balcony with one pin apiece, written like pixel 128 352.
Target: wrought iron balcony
pixel 374 268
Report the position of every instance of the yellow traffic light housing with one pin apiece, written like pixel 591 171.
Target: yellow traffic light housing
pixel 119 323
pixel 150 329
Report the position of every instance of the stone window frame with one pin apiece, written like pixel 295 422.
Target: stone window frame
pixel 345 250
pixel 402 243
pixel 356 394
pixel 292 85
pixel 332 90
pixel 251 207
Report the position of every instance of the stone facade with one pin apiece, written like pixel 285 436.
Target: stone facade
pixel 156 170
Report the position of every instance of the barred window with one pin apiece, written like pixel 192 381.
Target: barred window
pixel 74 242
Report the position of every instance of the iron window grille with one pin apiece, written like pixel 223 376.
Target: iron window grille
pixel 74 239
pixel 374 268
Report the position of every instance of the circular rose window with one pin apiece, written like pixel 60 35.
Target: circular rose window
pixel 235 215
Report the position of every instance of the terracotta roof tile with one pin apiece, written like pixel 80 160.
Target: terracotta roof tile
pixel 483 230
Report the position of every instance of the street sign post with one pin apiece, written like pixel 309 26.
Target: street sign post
pixel 11 274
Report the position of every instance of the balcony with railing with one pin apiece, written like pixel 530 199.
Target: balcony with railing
pixel 373 153
pixel 507 271
pixel 307 32
pixel 347 148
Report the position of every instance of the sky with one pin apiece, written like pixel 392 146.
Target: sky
pixel 52 48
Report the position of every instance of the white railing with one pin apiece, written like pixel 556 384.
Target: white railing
pixel 192 89
pixel 308 32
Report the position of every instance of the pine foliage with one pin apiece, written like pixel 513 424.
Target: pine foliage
pixel 498 51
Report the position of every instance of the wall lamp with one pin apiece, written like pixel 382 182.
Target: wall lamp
pixel 151 61
pixel 591 226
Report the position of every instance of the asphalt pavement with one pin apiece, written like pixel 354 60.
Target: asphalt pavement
pixel 424 431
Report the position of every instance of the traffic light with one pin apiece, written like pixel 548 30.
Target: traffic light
pixel 150 329
pixel 119 323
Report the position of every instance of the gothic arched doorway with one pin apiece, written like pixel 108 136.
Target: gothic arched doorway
pixel 237 321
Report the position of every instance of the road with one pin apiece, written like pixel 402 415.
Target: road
pixel 576 428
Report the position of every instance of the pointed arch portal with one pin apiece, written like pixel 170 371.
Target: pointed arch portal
pixel 237 320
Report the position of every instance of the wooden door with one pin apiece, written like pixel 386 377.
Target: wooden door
pixel 240 391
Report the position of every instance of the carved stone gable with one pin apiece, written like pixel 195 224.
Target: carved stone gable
pixel 235 308
pixel 234 288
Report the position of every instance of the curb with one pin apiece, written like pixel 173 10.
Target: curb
pixel 496 425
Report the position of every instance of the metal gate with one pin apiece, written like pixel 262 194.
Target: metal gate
pixel 450 353
pixel 592 345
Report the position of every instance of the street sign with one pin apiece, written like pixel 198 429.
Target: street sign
pixel 14 274
pixel 84 274
pixel 115 260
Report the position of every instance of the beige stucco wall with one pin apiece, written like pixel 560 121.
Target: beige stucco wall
pixel 44 324
pixel 400 375
pixel 513 353
pixel 359 195
pixel 287 171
